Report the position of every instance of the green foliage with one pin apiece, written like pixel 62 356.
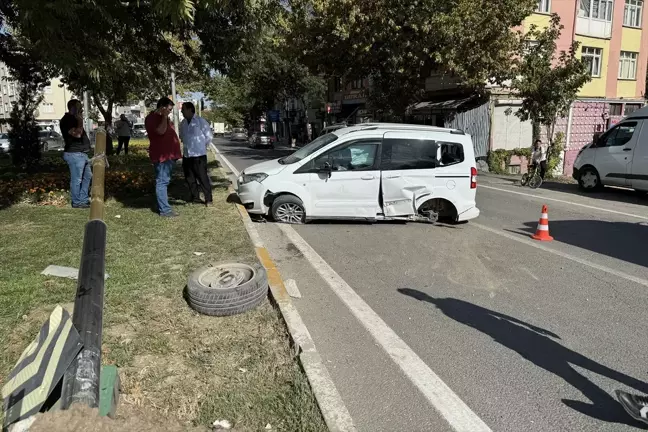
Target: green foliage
pixel 399 44
pixel 548 82
pixel 499 159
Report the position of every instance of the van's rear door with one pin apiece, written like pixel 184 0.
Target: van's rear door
pixel 407 170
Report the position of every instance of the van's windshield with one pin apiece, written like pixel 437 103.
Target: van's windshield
pixel 309 149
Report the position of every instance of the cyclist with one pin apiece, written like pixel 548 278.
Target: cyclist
pixel 539 157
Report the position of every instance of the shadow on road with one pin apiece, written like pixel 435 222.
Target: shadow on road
pixel 622 240
pixel 538 346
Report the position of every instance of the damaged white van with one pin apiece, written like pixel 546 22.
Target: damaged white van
pixel 372 171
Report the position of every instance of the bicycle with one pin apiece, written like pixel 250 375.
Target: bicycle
pixel 532 177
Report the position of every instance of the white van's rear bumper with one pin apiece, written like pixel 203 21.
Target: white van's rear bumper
pixel 469 214
pixel 251 195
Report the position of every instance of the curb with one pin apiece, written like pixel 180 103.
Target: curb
pixel 336 416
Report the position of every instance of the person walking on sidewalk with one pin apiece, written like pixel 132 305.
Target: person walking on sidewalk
pixel 123 127
pixel 164 151
pixel 77 147
pixel 196 136
pixel 635 405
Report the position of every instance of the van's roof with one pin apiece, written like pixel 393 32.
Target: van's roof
pixel 396 126
pixel 640 113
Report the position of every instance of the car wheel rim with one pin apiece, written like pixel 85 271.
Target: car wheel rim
pixel 226 276
pixel 589 179
pixel 290 213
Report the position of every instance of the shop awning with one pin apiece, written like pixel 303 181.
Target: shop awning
pixel 436 106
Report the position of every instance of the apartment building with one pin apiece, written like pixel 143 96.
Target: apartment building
pixel 51 108
pixel 613 36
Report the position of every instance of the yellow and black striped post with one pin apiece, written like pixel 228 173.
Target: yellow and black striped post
pixel 81 382
pixel 41 367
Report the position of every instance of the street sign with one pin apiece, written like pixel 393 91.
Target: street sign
pixel 273 115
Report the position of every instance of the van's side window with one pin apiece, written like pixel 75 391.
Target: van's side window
pixel 450 153
pixel 618 136
pixel 356 156
pixel 406 154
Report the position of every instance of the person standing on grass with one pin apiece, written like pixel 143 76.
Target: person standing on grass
pixel 164 151
pixel 123 127
pixel 77 147
pixel 196 136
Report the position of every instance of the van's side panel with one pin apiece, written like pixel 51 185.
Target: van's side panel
pixel 639 170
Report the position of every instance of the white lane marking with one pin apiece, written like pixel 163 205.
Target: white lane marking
pixel 529 272
pixel 542 247
pixel 291 287
pixel 458 415
pixel 229 165
pixel 544 198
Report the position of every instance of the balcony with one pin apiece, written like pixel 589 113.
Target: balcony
pixel 593 27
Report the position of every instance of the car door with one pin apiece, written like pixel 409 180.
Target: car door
pixel 639 171
pixel 613 154
pixel 345 181
pixel 407 170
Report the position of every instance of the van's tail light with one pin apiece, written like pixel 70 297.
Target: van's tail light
pixel 473 178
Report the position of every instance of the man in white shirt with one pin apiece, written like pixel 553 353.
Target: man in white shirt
pixel 539 157
pixel 196 136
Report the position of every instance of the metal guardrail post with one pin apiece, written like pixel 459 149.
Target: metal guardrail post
pixel 81 382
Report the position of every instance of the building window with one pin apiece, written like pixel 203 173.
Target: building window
pixel 630 108
pixel 47 90
pixel 544 6
pixel 632 13
pixel 597 9
pixel 616 109
pixel 628 65
pixel 356 84
pixel 592 58
pixel 47 107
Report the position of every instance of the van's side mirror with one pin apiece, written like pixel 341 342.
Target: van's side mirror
pixel 326 168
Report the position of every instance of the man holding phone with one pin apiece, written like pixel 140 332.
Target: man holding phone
pixel 77 147
pixel 164 151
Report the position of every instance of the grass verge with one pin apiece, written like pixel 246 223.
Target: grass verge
pixel 181 364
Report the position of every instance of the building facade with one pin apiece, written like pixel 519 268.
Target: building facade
pixel 613 37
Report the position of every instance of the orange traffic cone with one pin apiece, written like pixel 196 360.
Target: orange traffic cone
pixel 542 232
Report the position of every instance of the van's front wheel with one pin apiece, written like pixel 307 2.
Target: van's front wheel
pixel 589 180
pixel 288 209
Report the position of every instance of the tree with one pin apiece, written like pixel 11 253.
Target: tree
pixel 548 82
pixel 399 44
pixel 32 76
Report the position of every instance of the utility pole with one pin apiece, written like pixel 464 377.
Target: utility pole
pixel 199 107
pixel 174 96
pixel 86 112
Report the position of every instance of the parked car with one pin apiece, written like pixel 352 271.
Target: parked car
pixel 373 171
pixel 619 157
pixel 4 143
pixel 50 140
pixel 239 134
pixel 139 131
pixel 263 139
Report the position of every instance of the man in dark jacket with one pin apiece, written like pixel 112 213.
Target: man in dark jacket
pixel 77 147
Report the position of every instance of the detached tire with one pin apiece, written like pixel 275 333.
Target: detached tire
pixel 227 288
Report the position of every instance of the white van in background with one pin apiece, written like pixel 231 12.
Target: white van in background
pixel 619 157
pixel 372 171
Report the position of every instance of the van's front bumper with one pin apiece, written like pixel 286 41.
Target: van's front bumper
pixel 252 195
pixel 576 174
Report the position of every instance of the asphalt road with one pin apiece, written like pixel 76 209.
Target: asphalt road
pixel 530 336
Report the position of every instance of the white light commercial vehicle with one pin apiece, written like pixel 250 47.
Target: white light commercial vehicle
pixel 372 171
pixel 619 157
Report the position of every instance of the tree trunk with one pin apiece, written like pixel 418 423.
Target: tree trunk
pixel 107 115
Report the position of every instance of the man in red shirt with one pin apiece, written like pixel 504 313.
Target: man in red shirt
pixel 164 151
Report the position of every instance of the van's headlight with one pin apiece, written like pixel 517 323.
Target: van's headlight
pixel 248 178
